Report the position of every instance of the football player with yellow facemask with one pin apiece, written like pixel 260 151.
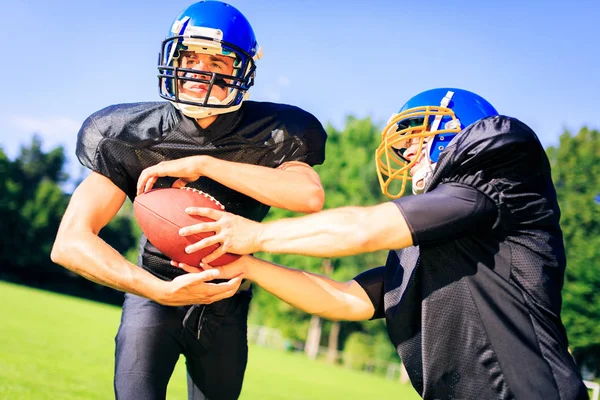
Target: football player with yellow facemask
pixel 471 290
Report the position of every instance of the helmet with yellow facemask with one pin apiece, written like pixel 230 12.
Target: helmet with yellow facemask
pixel 427 123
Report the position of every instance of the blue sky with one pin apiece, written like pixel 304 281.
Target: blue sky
pixel 535 60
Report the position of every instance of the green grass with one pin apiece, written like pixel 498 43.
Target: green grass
pixel 59 347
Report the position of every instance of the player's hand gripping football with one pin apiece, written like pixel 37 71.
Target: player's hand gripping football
pixel 235 234
pixel 187 169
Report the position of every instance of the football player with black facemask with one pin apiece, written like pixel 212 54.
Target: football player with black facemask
pixel 471 290
pixel 248 155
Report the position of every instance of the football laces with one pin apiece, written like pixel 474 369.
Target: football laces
pixel 208 196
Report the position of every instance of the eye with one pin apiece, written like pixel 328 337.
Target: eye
pixel 190 61
pixel 400 152
pixel 409 123
pixel 401 126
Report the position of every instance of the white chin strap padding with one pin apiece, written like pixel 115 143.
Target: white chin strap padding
pixel 444 103
pixel 195 111
pixel 198 112
pixel 424 174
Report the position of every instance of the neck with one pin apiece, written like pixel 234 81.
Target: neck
pixel 206 121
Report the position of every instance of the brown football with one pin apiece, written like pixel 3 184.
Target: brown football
pixel 161 213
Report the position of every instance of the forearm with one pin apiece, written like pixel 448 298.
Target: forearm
pixel 288 189
pixel 89 256
pixel 78 248
pixel 337 232
pixel 312 293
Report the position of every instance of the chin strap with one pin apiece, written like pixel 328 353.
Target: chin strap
pixel 444 103
pixel 203 112
pixel 425 173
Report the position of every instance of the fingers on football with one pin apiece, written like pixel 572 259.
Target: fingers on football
pixel 219 251
pixel 206 242
pixel 142 182
pixel 146 180
pixel 150 183
pixel 199 228
pixel 205 212
pixel 150 175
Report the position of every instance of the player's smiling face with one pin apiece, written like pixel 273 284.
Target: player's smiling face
pixel 207 63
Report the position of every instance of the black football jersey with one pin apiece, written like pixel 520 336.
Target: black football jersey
pixel 122 140
pixel 473 308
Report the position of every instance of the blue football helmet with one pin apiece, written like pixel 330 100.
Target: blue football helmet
pixel 213 28
pixel 429 120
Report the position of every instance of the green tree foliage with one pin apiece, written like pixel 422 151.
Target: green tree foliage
pixel 40 216
pixel 358 350
pixel 123 233
pixel 10 189
pixel 32 203
pixel 349 179
pixel 576 174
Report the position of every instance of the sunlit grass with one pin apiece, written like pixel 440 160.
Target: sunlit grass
pixel 59 347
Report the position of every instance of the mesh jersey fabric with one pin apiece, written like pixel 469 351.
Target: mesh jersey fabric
pixel 122 140
pixel 477 316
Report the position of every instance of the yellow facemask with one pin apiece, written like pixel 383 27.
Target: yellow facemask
pixel 419 126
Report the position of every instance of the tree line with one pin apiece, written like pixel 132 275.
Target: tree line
pixel 32 202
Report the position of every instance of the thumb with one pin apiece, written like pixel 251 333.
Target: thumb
pixel 207 275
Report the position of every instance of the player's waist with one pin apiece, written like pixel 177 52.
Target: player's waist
pixel 162 269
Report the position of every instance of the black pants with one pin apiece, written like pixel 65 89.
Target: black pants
pixel 151 337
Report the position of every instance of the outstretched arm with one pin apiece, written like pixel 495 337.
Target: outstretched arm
pixel 294 185
pixel 338 232
pixel 450 211
pixel 78 248
pixel 331 233
pixel 312 293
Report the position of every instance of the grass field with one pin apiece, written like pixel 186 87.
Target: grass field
pixel 59 347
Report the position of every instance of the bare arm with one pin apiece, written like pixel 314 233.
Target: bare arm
pixel 294 185
pixel 331 233
pixel 338 232
pixel 312 293
pixel 78 248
